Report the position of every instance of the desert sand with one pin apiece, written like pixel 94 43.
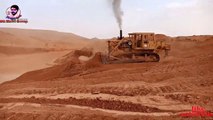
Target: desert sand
pixel 26 50
pixel 85 89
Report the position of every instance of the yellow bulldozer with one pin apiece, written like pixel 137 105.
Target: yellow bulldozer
pixel 138 47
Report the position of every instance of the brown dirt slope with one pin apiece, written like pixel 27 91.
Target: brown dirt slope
pixel 116 91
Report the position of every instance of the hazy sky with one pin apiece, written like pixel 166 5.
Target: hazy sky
pixel 94 18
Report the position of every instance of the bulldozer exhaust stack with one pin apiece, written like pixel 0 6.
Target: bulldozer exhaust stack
pixel 121 35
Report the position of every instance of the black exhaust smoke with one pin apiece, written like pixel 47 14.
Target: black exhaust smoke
pixel 121 35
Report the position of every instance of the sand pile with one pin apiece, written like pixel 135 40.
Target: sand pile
pixel 94 62
pixel 162 37
pixel 67 66
pixel 73 56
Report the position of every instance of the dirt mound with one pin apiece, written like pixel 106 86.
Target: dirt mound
pixel 74 56
pixel 94 62
pixel 162 37
pixel 67 66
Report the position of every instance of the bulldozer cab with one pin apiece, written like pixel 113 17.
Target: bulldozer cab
pixel 141 40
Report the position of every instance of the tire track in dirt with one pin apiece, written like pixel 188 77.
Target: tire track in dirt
pixel 77 116
pixel 96 103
